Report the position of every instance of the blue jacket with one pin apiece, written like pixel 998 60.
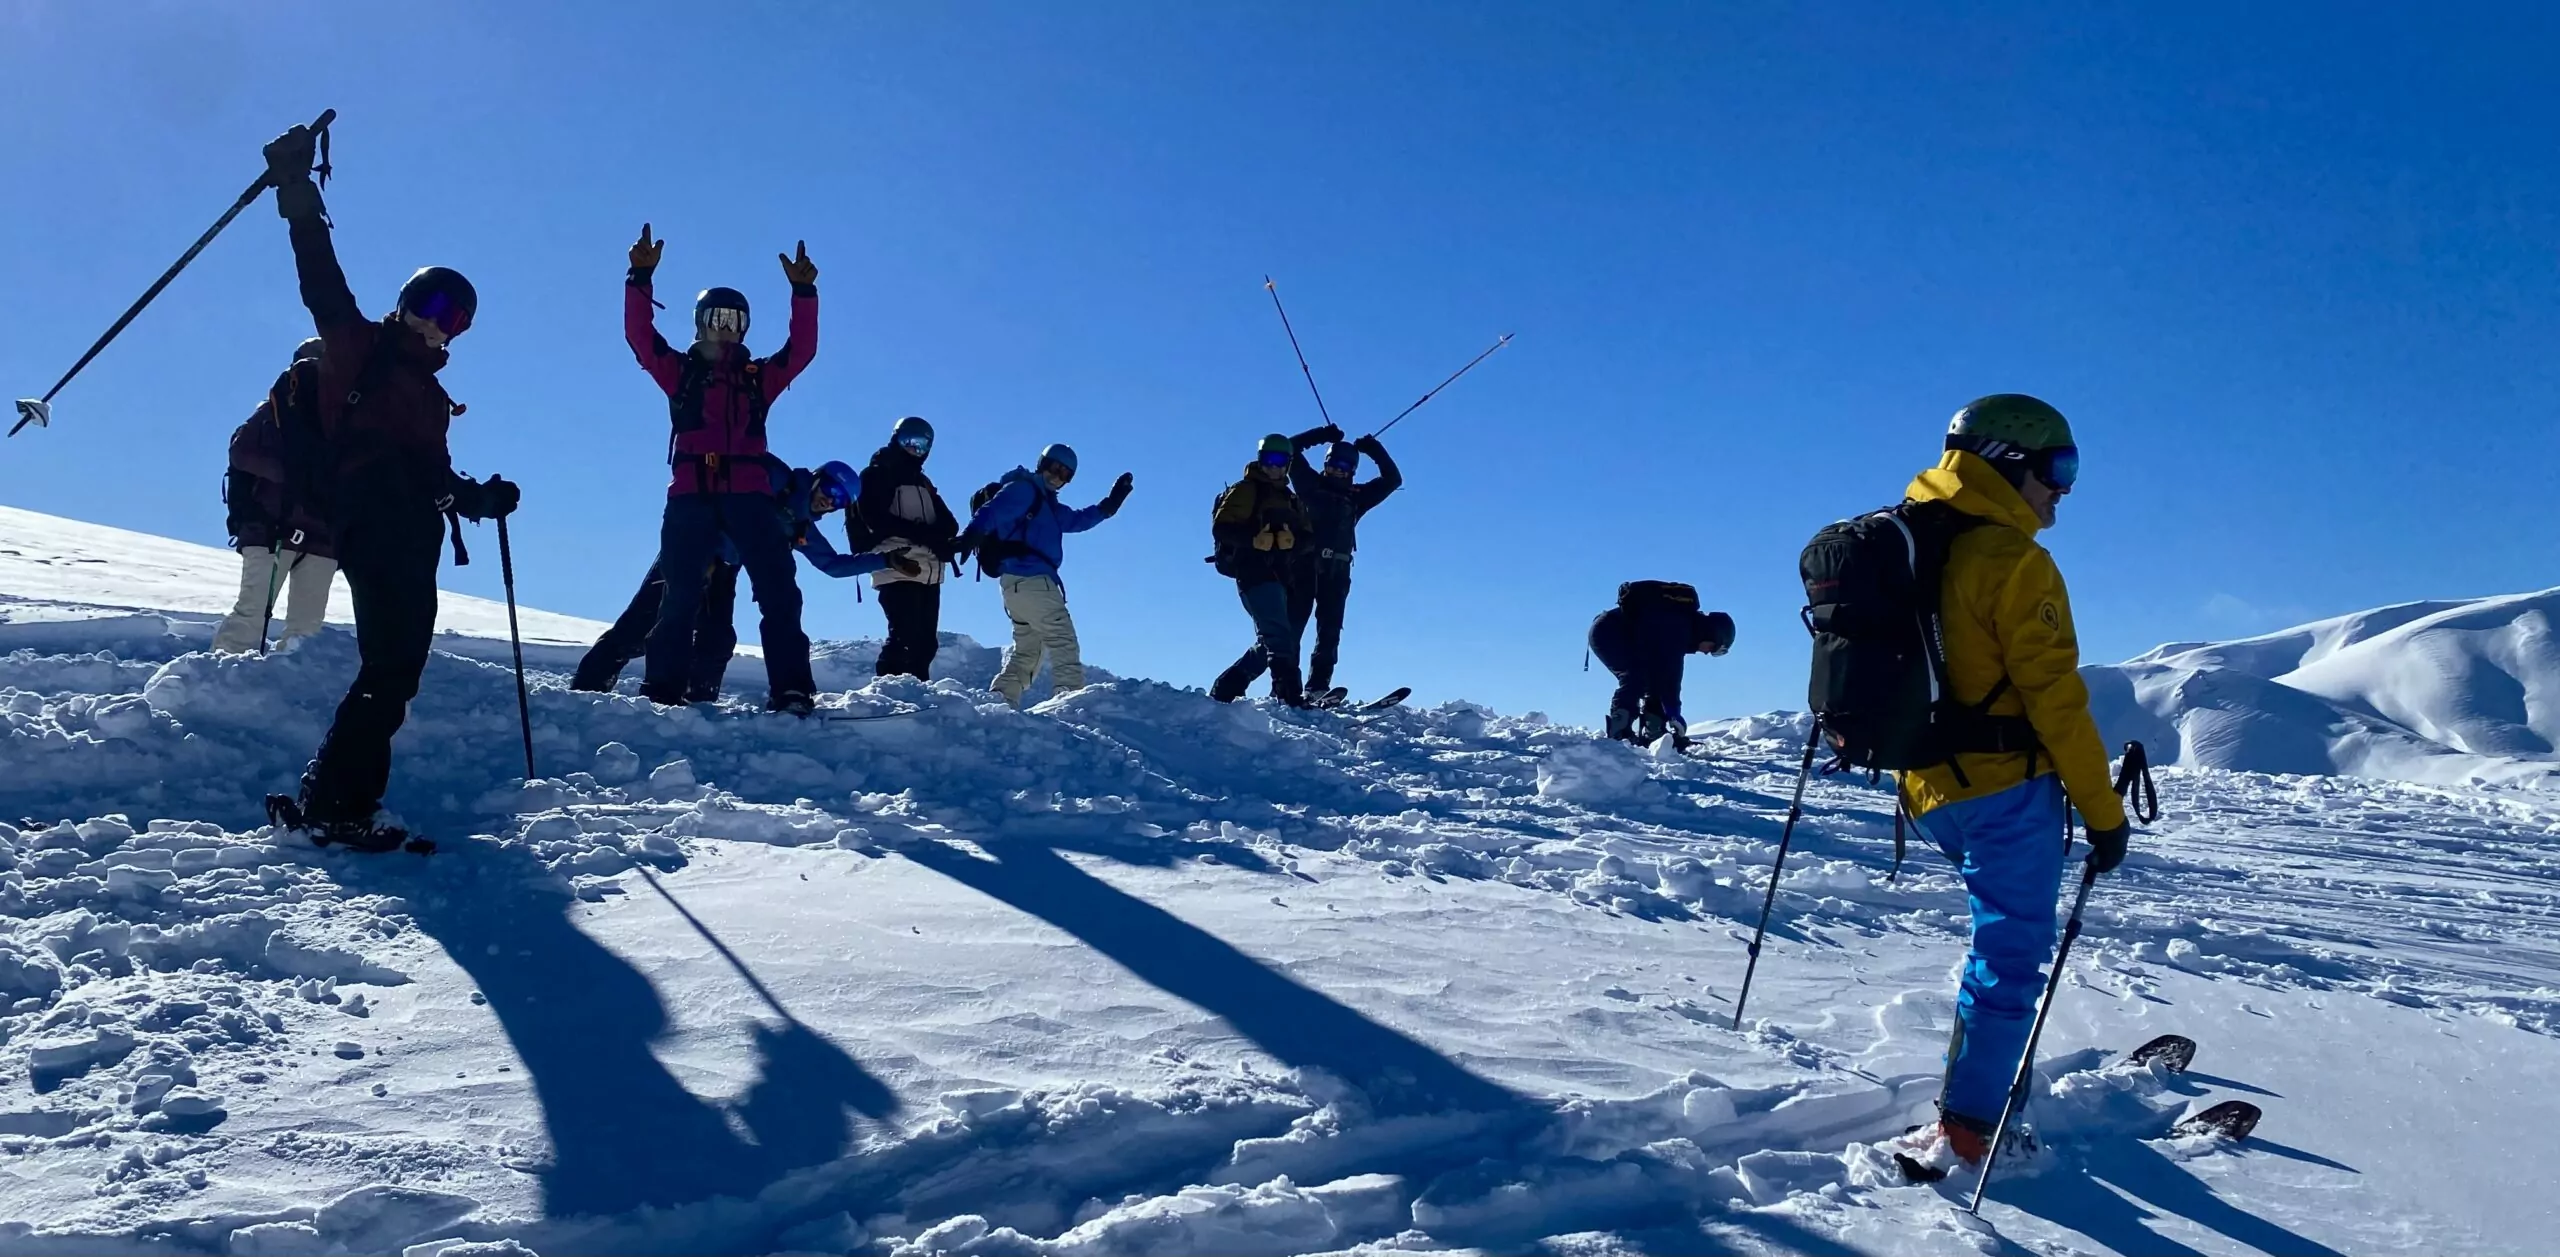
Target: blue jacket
pixel 1028 525
pixel 801 526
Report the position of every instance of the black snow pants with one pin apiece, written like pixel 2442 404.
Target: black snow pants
pixel 1279 609
pixel 688 544
pixel 388 549
pixel 1332 593
pixel 914 609
pixel 715 636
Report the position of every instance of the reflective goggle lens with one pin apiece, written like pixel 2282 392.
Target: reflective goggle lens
pixel 448 316
pixel 1061 471
pixel 1274 458
pixel 724 320
pixel 2059 466
pixel 916 445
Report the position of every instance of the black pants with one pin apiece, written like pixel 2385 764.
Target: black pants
pixel 715 636
pixel 915 624
pixel 1333 591
pixel 1279 610
pixel 688 542
pixel 388 549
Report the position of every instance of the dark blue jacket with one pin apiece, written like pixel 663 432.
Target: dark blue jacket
pixel 1030 524
pixel 1649 649
pixel 801 525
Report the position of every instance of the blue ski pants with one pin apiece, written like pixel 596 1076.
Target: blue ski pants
pixel 2008 846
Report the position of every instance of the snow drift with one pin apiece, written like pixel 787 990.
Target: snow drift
pixel 2441 692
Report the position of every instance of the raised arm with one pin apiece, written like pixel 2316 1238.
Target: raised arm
pixel 802 344
pixel 639 317
pixel 1388 480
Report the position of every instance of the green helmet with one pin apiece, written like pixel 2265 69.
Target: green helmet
pixel 2019 436
pixel 2008 420
pixel 1277 444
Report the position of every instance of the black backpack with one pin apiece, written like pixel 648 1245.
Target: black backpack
pixel 1639 596
pixel 992 549
pixel 293 405
pixel 1872 587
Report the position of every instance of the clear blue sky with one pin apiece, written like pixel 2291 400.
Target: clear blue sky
pixel 2290 268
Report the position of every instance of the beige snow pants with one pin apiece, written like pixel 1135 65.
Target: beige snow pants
pixel 1037 606
pixel 297 583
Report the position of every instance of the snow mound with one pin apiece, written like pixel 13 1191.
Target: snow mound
pixel 2439 692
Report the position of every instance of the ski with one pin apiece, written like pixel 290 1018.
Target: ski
pixel 848 718
pixel 2175 1051
pixel 1389 699
pixel 2232 1120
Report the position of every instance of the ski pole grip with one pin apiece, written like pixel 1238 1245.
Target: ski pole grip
pixel 326 117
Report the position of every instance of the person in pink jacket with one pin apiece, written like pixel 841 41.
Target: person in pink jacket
pixel 717 396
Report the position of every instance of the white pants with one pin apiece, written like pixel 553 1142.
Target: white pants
pixel 268 578
pixel 1037 606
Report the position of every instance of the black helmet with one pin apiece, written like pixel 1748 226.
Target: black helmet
pixel 440 295
pixel 1715 632
pixel 719 299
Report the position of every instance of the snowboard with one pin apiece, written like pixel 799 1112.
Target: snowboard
pixel 284 813
pixel 2231 1119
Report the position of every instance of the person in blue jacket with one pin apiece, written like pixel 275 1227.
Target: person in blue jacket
pixel 1019 536
pixel 806 497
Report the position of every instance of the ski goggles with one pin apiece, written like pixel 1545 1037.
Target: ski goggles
pixel 722 319
pixel 917 444
pixel 2057 467
pixel 1056 470
pixel 1342 459
pixel 448 315
pixel 1273 458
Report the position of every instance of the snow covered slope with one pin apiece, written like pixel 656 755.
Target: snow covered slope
pixel 2442 692
pixel 1135 972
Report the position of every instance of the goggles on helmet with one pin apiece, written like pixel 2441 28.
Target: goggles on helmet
pixel 916 443
pixel 448 315
pixel 1056 470
pixel 722 319
pixel 1273 458
pixel 2057 467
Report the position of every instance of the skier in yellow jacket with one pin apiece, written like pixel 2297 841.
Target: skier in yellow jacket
pixel 2009 462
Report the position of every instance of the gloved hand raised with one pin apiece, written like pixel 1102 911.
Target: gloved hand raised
pixel 290 156
pixel 645 252
pixel 2107 847
pixel 1369 445
pixel 1326 435
pixel 802 272
pixel 1119 492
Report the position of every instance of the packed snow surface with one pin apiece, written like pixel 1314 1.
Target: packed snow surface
pixel 1135 972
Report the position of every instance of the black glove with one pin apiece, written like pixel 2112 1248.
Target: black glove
pixel 498 497
pixel 1325 435
pixel 2106 847
pixel 290 157
pixel 1369 445
pixel 1119 493
pixel 967 545
pixel 905 565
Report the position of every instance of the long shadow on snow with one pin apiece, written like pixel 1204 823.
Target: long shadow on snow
pixel 2077 1202
pixel 624 1131
pixel 1299 1026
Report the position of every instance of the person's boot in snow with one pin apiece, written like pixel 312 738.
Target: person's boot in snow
pixel 792 702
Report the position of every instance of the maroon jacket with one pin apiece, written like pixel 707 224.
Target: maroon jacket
pixel 717 406
pixel 382 409
pixel 264 508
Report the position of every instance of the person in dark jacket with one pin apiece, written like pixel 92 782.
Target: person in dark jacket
pixel 1021 534
pixel 900 515
pixel 807 497
pixel 285 548
pixel 1647 647
pixel 721 490
pixel 390 489
pixel 1335 503
pixel 1263 543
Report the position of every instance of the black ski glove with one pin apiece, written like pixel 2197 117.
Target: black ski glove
pixel 1369 445
pixel 905 565
pixel 289 158
pixel 498 497
pixel 1119 494
pixel 1326 435
pixel 2106 847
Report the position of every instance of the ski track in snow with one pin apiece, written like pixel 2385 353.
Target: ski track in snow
pixel 1134 972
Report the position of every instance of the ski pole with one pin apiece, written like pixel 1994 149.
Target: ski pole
pixel 1795 812
pixel 267 618
pixel 2027 1062
pixel 39 411
pixel 1435 389
pixel 515 638
pixel 1293 348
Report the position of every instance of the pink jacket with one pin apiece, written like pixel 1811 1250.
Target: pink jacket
pixel 717 408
